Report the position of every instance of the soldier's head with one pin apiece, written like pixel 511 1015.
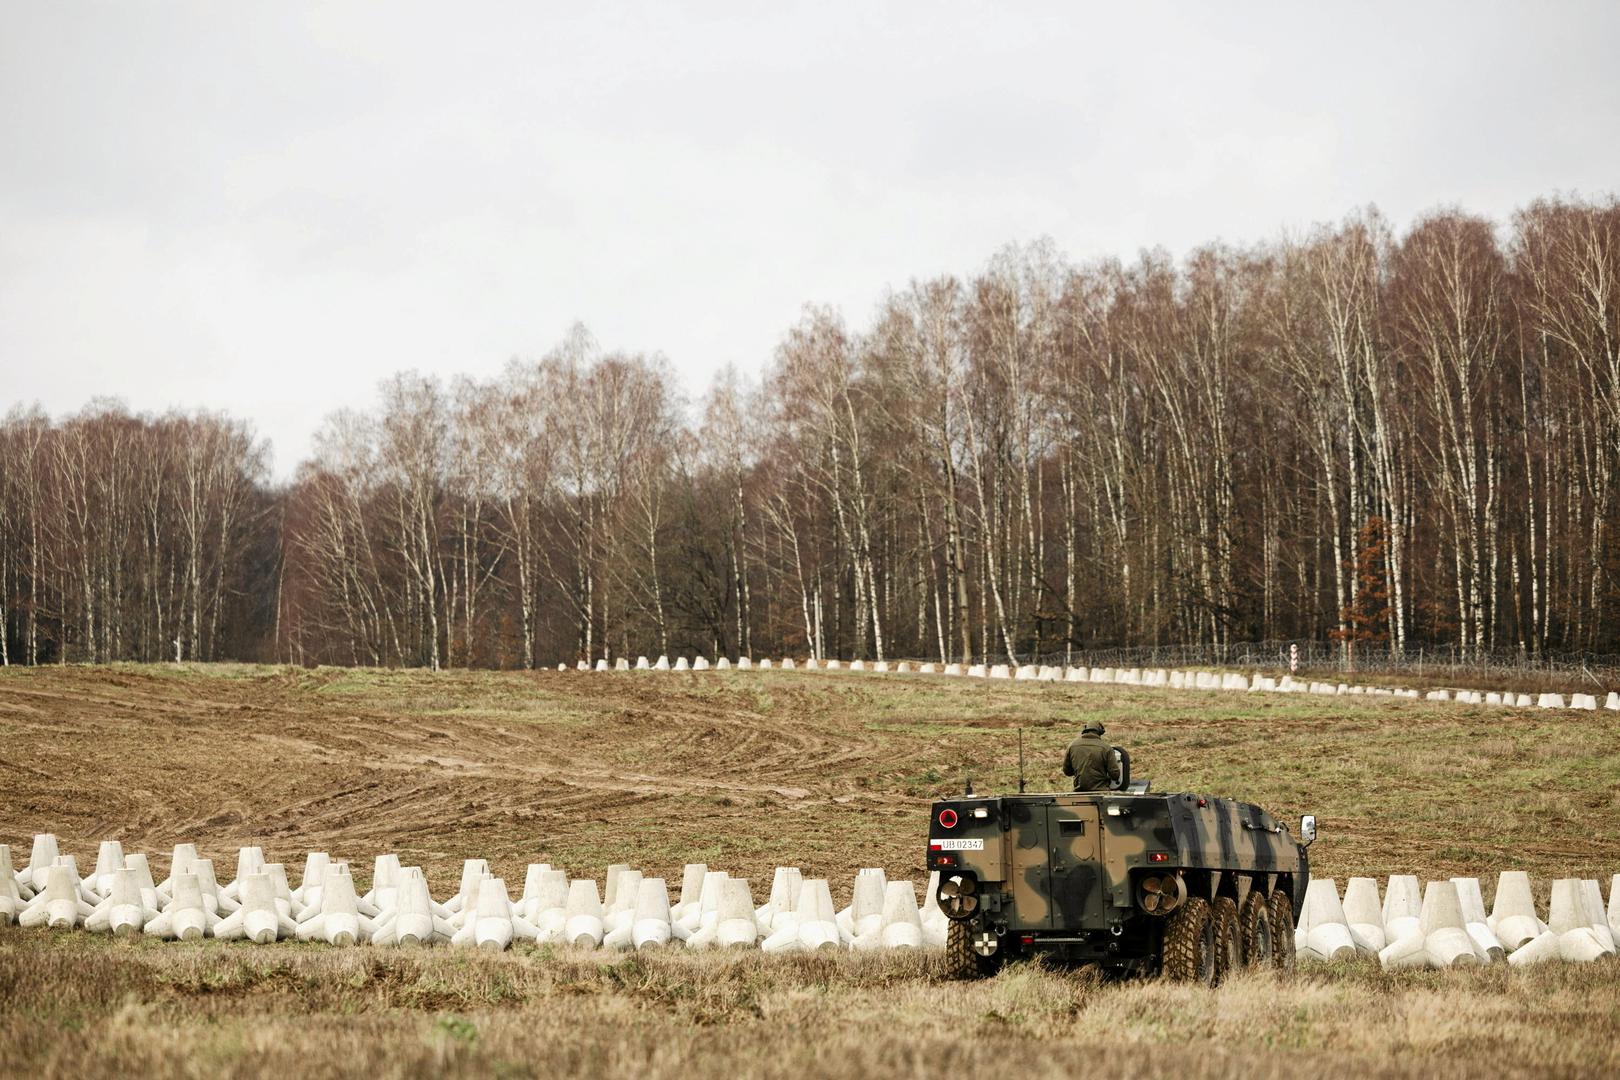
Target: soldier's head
pixel 1094 727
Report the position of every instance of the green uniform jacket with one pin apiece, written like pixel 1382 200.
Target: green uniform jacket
pixel 1090 762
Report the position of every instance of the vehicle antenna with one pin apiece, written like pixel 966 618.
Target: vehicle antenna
pixel 1020 761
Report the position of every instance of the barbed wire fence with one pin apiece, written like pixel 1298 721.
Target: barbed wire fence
pixel 1434 664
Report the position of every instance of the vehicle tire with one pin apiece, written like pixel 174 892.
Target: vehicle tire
pixel 1228 938
pixel 1282 931
pixel 1255 921
pixel 1189 944
pixel 961 962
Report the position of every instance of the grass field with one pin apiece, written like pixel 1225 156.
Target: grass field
pixel 748 770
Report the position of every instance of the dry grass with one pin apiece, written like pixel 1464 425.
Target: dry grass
pixel 90 1007
pixel 748 770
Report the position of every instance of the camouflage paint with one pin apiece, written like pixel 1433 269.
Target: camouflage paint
pixel 1062 864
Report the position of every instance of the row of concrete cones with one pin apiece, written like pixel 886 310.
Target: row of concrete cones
pixel 713 909
pixel 1175 680
pixel 1447 926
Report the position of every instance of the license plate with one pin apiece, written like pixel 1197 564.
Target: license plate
pixel 957 845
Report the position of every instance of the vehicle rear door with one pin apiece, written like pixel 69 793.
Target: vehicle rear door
pixel 1078 888
pixel 1029 872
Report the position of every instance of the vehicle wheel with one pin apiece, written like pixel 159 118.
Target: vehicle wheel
pixel 1228 938
pixel 1282 931
pixel 961 962
pixel 1189 944
pixel 1255 920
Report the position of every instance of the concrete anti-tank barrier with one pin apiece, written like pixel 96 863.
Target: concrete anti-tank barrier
pixel 1323 932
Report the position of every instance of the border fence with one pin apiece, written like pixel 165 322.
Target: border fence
pixel 1430 664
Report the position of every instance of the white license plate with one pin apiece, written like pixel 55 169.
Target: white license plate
pixel 957 845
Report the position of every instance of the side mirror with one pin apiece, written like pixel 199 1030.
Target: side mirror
pixel 1307 829
pixel 1122 758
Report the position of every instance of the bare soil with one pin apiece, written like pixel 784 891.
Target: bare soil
pixel 746 771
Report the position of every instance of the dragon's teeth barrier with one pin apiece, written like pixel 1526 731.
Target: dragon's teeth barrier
pixel 1147 677
pixel 1438 924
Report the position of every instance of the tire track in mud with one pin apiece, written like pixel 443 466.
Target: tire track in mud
pixel 224 761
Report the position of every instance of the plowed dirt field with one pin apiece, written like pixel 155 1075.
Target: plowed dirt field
pixel 745 771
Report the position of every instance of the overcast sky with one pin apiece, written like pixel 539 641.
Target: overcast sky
pixel 268 207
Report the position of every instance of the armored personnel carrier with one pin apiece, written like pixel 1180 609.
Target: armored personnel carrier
pixel 1192 886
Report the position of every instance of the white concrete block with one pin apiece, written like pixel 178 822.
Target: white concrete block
pixel 1513 914
pixel 1364 914
pixel 1486 945
pixel 736 928
pixel 1592 894
pixel 902 922
pixel 584 915
pixel 1323 933
pixel 1445 934
pixel 650 925
pixel 1410 951
pixel 123 913
pixel 1402 906
pixel 1538 950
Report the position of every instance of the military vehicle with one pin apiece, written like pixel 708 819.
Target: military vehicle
pixel 1191 886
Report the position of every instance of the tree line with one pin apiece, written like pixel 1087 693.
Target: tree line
pixel 1384 441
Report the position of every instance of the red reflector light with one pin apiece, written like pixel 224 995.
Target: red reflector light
pixel 1203 802
pixel 1159 856
pixel 947 818
pixel 1028 939
pixel 945 860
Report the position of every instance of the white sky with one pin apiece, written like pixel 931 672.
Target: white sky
pixel 266 208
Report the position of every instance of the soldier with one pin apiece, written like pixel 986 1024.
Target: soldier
pixel 1090 760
